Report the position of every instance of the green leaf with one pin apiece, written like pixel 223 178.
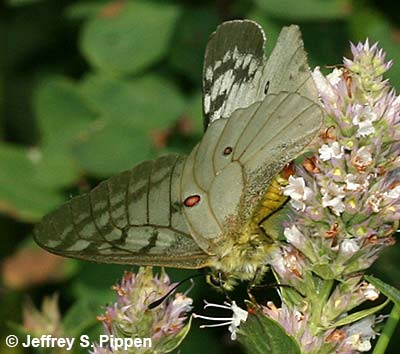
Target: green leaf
pixel 193 30
pixel 391 292
pixel 21 2
pixel 194 111
pixel 387 333
pixel 359 315
pixel 63 116
pixel 270 26
pixel 368 23
pixel 127 39
pixel 61 110
pixel 55 166
pixel 111 148
pixel 146 103
pixel 306 10
pixel 81 316
pixel 261 335
pixel 95 280
pixel 21 196
pixel 84 9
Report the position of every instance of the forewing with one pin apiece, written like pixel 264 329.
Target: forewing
pixel 238 157
pixel 233 66
pixel 287 67
pixel 280 130
pixel 236 74
pixel 132 218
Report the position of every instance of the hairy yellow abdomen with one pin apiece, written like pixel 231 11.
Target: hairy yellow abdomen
pixel 244 257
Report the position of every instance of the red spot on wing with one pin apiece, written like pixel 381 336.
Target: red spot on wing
pixel 192 200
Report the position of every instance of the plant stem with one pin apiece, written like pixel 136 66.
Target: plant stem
pixel 387 332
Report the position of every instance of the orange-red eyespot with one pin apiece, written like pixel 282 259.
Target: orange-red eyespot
pixel 228 150
pixel 191 201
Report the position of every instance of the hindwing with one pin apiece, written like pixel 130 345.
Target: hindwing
pixel 134 217
pixel 238 157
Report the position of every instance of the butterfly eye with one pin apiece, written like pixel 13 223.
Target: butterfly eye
pixel 191 201
pixel 215 280
pixel 228 150
pixel 266 88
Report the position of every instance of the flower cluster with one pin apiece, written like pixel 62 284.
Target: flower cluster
pixel 45 321
pixel 345 207
pixel 131 317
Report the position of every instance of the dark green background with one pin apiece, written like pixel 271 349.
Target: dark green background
pixel 90 88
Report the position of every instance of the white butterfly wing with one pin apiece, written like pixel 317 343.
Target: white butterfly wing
pixel 238 157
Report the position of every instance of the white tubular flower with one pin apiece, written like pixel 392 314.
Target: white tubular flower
pixel 324 85
pixel 364 117
pixel 349 247
pixel 332 196
pixel 370 292
pixel 362 159
pixel 393 193
pixel 293 235
pixel 359 334
pixel 327 152
pixel 335 76
pixel 298 192
pixel 352 183
pixel 239 315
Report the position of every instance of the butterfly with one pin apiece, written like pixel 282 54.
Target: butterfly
pixel 206 209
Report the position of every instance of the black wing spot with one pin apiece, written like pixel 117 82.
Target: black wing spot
pixel 266 88
pixel 227 151
pixel 151 243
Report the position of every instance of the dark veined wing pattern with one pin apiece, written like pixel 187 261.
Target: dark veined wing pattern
pixel 236 76
pixel 233 65
pixel 132 218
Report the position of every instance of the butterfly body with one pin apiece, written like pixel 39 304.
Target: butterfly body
pixel 207 209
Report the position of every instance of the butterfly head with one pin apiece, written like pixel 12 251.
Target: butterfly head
pixel 221 281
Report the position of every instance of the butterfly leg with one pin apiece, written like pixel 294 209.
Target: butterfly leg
pixel 253 284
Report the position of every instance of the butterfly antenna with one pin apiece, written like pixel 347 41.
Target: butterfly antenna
pixel 158 302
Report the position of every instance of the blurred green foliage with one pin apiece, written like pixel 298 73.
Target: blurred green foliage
pixel 90 88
